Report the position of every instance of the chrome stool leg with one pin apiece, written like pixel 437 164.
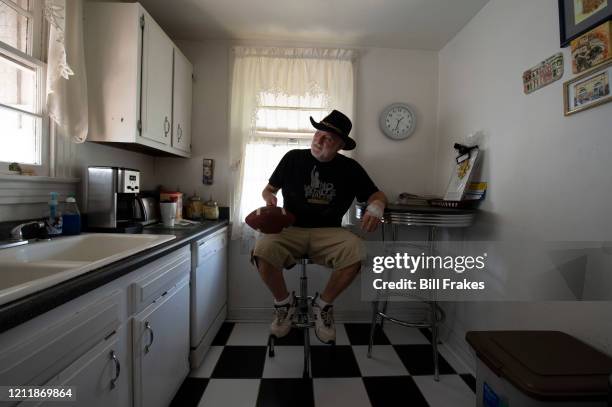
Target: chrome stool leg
pixel 304 318
pixel 373 326
pixel 431 238
pixel 394 231
pixel 271 345
pixel 434 339
pixel 306 372
pixel 434 343
pixel 384 310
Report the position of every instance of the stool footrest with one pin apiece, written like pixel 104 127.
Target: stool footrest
pixel 302 325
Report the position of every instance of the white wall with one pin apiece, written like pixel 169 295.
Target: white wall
pixel 386 76
pixel 549 175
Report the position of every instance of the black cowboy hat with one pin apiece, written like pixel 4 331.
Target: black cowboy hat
pixel 337 123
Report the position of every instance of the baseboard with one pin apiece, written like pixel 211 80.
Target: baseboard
pixel 456 344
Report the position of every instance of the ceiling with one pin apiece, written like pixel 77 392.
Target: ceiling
pixel 409 24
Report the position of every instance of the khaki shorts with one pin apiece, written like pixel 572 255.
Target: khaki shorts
pixel 335 248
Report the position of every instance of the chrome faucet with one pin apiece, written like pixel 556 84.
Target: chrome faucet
pixel 16 232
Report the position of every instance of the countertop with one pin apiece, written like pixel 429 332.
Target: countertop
pixel 30 306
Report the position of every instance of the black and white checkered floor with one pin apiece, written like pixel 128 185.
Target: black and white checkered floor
pixel 237 371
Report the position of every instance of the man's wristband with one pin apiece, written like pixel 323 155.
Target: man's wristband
pixel 376 208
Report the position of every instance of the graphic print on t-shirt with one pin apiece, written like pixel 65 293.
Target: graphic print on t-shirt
pixel 319 192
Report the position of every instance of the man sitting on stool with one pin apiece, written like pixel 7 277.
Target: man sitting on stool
pixel 319 185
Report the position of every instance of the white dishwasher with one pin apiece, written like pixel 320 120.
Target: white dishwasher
pixel 208 292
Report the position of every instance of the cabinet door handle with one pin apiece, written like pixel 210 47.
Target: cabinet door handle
pixel 166 126
pixel 113 356
pixel 179 133
pixel 149 328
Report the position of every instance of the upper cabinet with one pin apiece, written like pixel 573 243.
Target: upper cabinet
pixel 157 56
pixel 181 115
pixel 139 82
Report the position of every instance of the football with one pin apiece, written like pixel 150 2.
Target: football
pixel 270 219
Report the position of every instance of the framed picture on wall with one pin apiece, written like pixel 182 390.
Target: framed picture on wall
pixel 592 48
pixel 576 17
pixel 590 89
pixel 208 168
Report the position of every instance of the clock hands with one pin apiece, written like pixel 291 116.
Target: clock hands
pixel 398 122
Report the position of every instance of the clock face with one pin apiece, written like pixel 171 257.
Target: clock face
pixel 398 121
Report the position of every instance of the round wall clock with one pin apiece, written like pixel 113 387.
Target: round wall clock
pixel 398 121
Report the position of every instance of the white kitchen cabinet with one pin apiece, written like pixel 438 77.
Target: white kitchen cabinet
pixel 99 377
pixel 208 292
pixel 157 56
pixel 70 347
pixel 133 91
pixel 161 347
pixel 181 114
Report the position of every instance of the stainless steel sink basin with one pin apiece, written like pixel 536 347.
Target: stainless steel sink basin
pixel 33 267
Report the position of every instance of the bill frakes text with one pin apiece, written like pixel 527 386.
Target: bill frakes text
pixel 428 284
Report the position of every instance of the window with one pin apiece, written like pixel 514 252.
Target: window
pixel 22 75
pixel 282 124
pixel 274 93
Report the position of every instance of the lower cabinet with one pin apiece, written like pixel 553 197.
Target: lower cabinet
pixel 161 347
pixel 99 378
pixel 123 344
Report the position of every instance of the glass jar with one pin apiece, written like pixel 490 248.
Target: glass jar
pixel 211 209
pixel 194 207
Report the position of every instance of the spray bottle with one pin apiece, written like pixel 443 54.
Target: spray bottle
pixel 54 218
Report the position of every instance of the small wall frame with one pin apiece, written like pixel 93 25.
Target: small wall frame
pixel 588 90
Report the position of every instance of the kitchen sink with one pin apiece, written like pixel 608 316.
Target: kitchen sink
pixel 33 267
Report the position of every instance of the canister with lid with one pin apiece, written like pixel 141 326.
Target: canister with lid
pixel 211 209
pixel 194 207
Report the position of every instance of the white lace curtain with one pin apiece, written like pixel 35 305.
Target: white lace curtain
pixel 262 74
pixel 66 81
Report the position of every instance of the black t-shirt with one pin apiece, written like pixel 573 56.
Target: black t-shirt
pixel 320 193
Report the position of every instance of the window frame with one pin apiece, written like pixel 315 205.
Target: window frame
pixel 34 57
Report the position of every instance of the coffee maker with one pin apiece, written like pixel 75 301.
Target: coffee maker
pixel 112 204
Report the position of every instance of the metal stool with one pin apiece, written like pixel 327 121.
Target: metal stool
pixel 437 316
pixel 436 313
pixel 432 218
pixel 302 319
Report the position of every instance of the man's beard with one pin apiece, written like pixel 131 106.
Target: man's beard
pixel 320 154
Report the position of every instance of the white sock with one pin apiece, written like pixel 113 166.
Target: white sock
pixel 321 303
pixel 283 302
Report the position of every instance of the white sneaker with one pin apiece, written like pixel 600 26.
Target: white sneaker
pixel 325 330
pixel 283 317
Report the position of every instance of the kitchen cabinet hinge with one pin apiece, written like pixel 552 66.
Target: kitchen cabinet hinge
pixel 142 21
pixel 193 77
pixel 139 125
